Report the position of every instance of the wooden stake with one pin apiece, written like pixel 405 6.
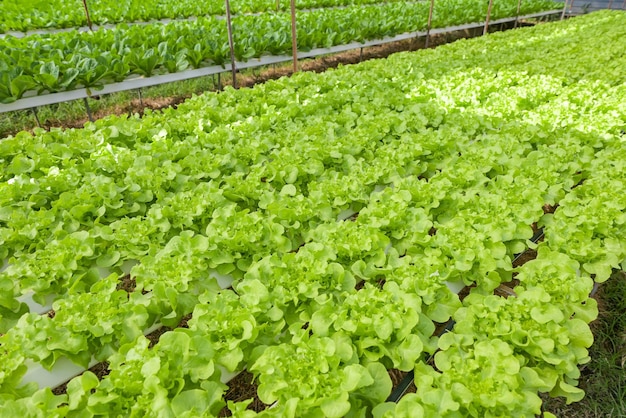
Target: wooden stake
pixel 519 7
pixel 231 44
pixel 294 40
pixel 610 4
pixel 564 9
pixel 488 17
pixel 87 15
pixel 429 23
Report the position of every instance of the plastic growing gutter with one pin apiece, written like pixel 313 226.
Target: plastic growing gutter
pixel 43 31
pixel 402 388
pixel 141 82
pixel 36 307
pixel 64 369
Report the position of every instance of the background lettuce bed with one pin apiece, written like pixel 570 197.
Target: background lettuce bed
pixel 38 14
pixel 65 61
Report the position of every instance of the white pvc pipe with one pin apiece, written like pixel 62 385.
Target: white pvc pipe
pixel 62 371
pixel 227 376
pixel 35 307
pixel 224 280
pixel 128 265
pixel 345 214
pixel 455 287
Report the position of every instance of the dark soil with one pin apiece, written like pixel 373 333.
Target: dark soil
pixel 127 284
pixel 524 258
pixel 154 336
pixel 100 370
pixel 242 388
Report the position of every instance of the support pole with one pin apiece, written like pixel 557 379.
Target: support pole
pixel 88 109
pixel 361 55
pixel 488 17
pixel 294 39
pixel 429 23
pixel 140 98
pixel 231 44
pixel 87 15
pixel 564 9
pixel 519 7
pixel 34 109
pixel 610 4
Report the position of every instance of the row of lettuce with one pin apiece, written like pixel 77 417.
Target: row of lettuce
pixel 512 348
pixel 66 61
pixel 445 158
pixel 40 14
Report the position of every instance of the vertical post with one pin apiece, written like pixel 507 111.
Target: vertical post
pixel 140 98
pixel 219 81
pixel 87 15
pixel 34 109
pixel 564 9
pixel 610 4
pixel 231 44
pixel 361 55
pixel 429 23
pixel 294 39
pixel 88 109
pixel 488 17
pixel 519 7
